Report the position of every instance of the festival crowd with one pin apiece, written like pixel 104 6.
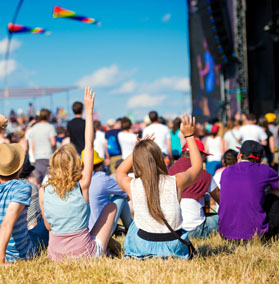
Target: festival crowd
pixel 71 189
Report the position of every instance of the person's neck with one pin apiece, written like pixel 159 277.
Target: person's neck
pixel 43 121
pixel 155 122
pixel 78 115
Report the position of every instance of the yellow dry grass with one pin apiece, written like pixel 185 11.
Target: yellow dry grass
pixel 219 262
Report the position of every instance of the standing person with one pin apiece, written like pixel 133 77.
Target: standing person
pixel 177 139
pixel 76 127
pixel 251 131
pixel 113 149
pixel 126 138
pixel 43 140
pixel 64 200
pixel 156 196
pixel 230 137
pixel 161 133
pixel 241 212
pixel 100 140
pixel 16 241
pixel 269 148
pixel 215 145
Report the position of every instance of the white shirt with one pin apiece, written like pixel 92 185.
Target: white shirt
pixel 162 134
pixel 251 132
pixel 192 210
pixel 127 142
pixel 99 143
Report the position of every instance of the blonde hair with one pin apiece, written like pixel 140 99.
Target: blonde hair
pixel 65 170
pixel 148 165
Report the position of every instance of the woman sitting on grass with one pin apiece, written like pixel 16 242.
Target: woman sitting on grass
pixel 156 196
pixel 64 200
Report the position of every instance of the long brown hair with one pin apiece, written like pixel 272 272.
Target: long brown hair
pixel 148 165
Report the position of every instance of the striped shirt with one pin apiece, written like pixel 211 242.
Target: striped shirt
pixel 20 245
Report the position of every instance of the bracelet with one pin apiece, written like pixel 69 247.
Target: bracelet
pixel 187 136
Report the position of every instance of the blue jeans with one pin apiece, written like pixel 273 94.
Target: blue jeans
pixel 39 235
pixel 203 230
pixel 123 211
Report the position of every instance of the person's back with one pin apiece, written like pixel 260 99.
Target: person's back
pixel 251 132
pixel 76 127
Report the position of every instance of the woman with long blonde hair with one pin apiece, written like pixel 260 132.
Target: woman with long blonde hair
pixel 64 199
pixel 156 198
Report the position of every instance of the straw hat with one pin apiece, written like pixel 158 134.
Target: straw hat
pixel 12 158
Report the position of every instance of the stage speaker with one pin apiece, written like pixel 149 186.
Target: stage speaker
pixel 217 30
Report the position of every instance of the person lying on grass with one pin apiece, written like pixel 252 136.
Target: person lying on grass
pixel 64 200
pixel 156 196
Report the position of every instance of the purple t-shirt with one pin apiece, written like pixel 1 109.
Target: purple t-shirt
pixel 241 213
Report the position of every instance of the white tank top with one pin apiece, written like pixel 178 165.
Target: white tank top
pixel 214 148
pixel 168 201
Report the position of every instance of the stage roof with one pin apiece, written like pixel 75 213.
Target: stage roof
pixel 32 92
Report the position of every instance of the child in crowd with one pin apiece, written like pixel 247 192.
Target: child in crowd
pixel 156 230
pixel 64 200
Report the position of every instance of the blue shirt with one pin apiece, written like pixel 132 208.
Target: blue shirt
pixel 101 187
pixel 69 215
pixel 20 245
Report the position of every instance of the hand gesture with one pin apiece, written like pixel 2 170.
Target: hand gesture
pixel 89 99
pixel 146 137
pixel 3 121
pixel 187 126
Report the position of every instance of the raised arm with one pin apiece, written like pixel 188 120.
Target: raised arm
pixel 186 178
pixel 89 140
pixel 122 175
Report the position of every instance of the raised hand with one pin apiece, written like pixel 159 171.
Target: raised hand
pixel 3 121
pixel 187 126
pixel 89 99
pixel 146 137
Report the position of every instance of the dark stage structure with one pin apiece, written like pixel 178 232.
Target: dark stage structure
pixel 234 50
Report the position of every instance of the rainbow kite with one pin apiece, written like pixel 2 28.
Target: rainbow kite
pixel 59 12
pixel 13 28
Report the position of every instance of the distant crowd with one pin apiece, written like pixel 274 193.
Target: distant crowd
pixel 159 182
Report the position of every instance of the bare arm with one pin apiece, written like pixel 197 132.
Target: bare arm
pixel 53 141
pixel 89 140
pixel 272 144
pixel 186 178
pixel 215 194
pixel 13 212
pixel 122 175
pixel 41 201
pixel 169 147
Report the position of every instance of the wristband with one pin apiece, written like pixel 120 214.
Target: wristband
pixel 187 136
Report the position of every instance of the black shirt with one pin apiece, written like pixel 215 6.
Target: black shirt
pixel 76 129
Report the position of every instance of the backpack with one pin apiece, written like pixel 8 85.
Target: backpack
pixel 113 148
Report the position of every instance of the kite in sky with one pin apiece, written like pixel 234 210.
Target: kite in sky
pixel 13 28
pixel 59 12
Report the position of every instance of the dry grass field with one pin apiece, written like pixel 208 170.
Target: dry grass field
pixel 218 262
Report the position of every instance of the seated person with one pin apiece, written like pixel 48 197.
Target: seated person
pixel 192 201
pixel 16 242
pixel 241 212
pixel 102 187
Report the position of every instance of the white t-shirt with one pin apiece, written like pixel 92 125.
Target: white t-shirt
pixel 214 146
pixel 251 132
pixel 41 133
pixel 231 138
pixel 192 210
pixel 127 142
pixel 162 134
pixel 99 143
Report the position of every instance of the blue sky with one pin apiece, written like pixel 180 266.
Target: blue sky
pixel 136 61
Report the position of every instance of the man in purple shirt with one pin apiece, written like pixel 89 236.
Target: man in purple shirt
pixel 242 196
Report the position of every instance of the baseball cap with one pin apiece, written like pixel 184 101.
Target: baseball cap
pixel 250 147
pixel 200 147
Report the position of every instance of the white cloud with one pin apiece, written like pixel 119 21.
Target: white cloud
pixel 105 77
pixel 126 88
pixel 15 44
pixel 169 84
pixel 166 18
pixel 11 67
pixel 145 100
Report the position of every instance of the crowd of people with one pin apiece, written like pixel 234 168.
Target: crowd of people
pixel 64 188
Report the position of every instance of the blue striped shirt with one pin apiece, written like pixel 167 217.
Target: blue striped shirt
pixel 20 245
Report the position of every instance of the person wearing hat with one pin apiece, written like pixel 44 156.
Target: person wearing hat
pixel 16 242
pixel 192 202
pixel 102 187
pixel 241 212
